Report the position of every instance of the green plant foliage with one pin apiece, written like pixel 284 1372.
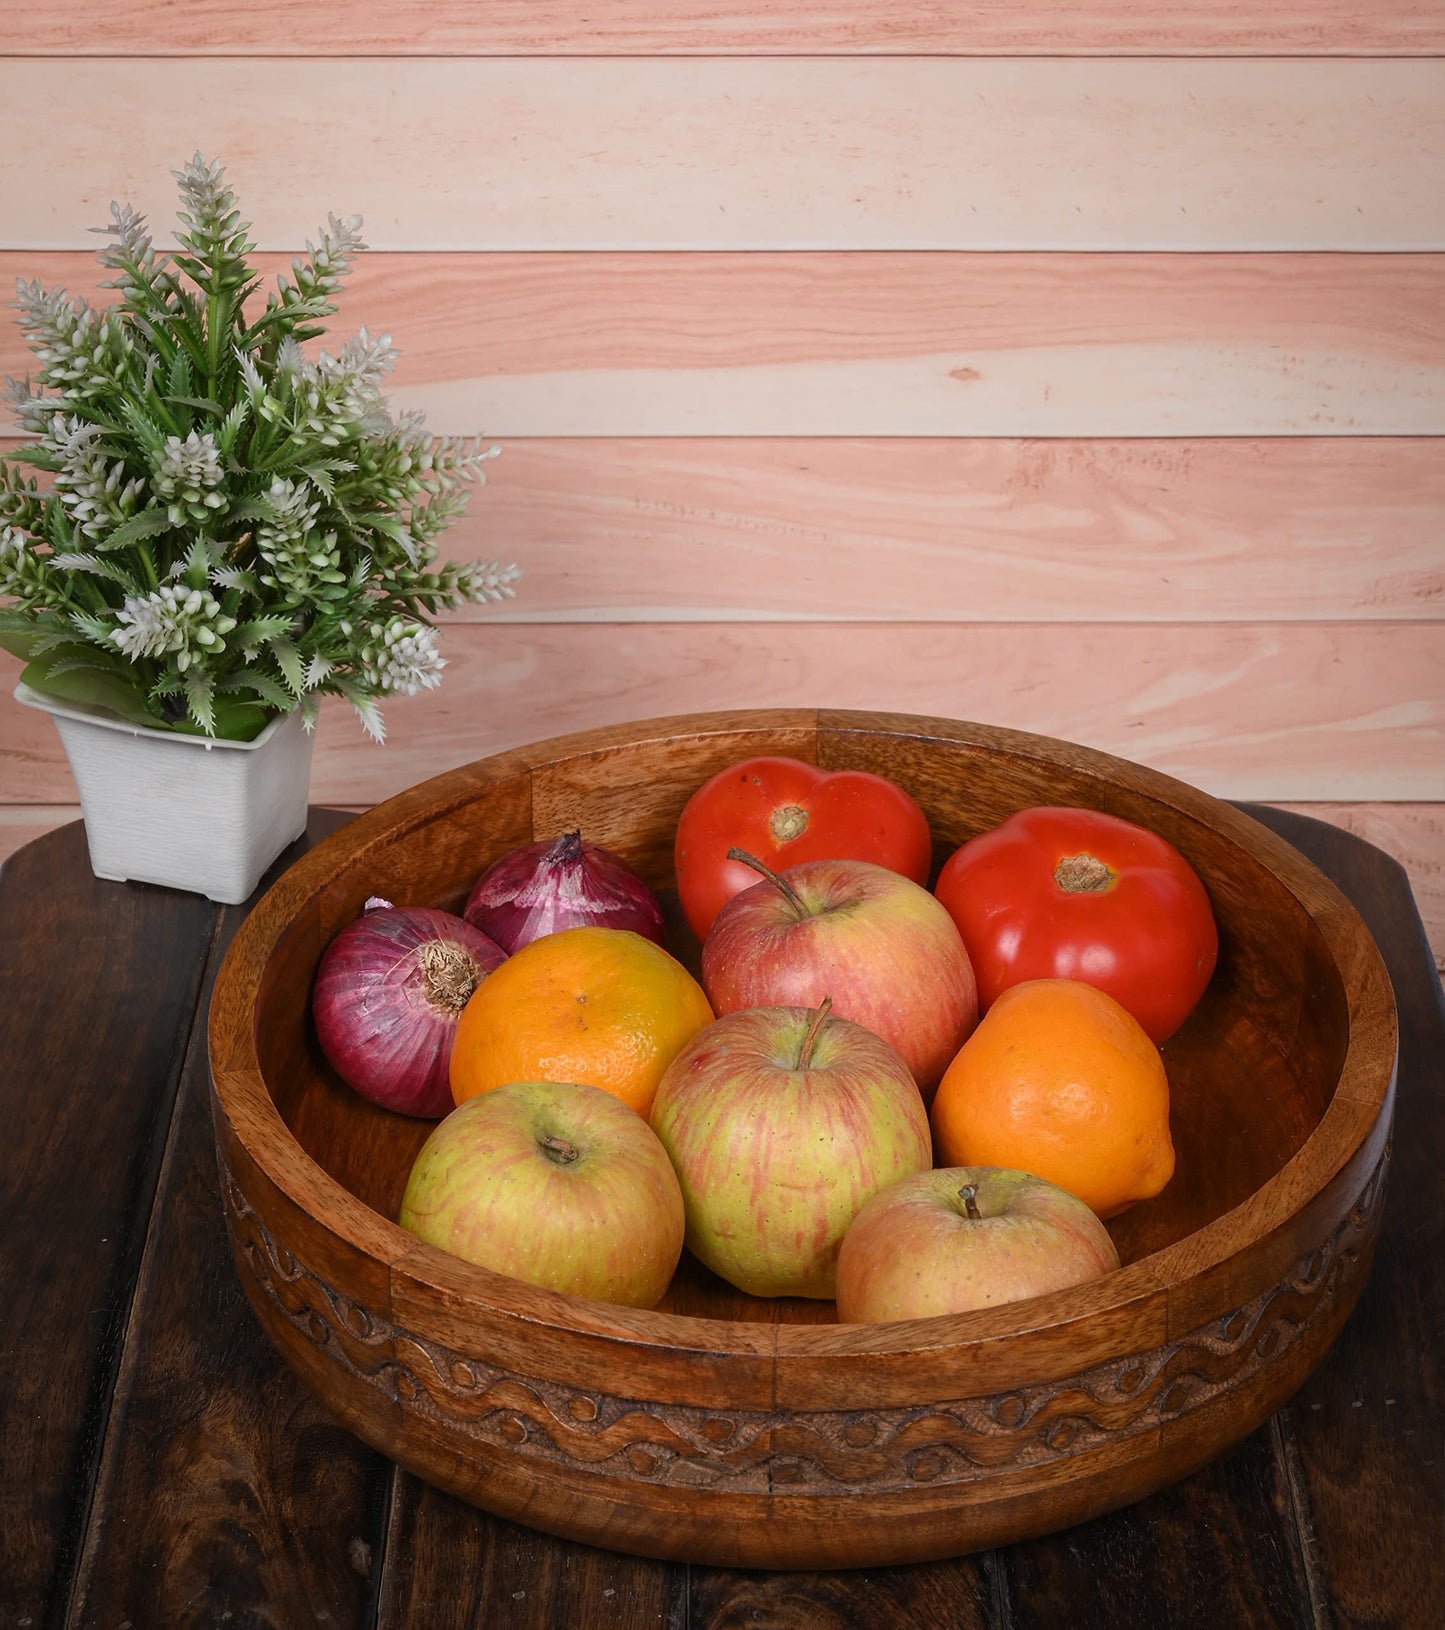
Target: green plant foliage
pixel 231 528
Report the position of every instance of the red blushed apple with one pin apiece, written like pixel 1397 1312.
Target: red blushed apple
pixel 884 949
pixel 782 1123
pixel 558 1184
pixel 965 1237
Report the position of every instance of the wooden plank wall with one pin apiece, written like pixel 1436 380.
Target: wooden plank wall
pixel 1077 365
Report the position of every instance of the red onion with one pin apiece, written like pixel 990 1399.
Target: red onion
pixel 560 883
pixel 388 994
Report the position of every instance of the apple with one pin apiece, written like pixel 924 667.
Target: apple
pixel 884 949
pixel 552 1182
pixel 964 1237
pixel 782 1123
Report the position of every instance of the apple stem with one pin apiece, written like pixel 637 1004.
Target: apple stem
pixel 764 870
pixel 805 1057
pixel 1083 874
pixel 970 1204
pixel 559 1150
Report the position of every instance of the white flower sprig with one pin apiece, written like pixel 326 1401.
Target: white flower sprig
pixel 188 478
pixel 186 622
pixel 402 657
pixel 232 528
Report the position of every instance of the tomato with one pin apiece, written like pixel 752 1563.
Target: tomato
pixel 784 811
pixel 1057 893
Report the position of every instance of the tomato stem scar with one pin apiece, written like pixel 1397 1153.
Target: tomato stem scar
pixel 1083 874
pixel 788 822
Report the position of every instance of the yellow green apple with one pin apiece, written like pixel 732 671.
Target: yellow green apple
pixel 964 1237
pixel 782 1123
pixel 552 1182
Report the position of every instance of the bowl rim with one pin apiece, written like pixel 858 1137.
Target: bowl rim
pixel 1361 1092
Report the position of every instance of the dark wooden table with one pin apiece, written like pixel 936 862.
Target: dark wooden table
pixel 160 1468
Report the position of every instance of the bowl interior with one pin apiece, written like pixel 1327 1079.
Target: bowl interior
pixel 1251 1072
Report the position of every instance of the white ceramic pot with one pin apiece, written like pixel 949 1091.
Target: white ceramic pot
pixel 183 811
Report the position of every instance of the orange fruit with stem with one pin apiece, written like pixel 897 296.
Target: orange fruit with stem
pixel 602 1006
pixel 1060 1080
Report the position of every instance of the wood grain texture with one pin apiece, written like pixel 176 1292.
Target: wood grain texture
pixel 206 1436
pixel 1415 835
pixel 752 153
pixel 853 1454
pixel 900 344
pixel 1285 712
pixel 23 823
pixel 875 27
pixel 1334 712
pixel 1373 1537
pixel 64 1119
pixel 1220 1548
pixel 959 1594
pixel 643 530
pixel 896 529
pixel 452 1567
pixel 1360 1442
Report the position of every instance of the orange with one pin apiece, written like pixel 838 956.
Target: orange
pixel 1060 1080
pixel 602 1006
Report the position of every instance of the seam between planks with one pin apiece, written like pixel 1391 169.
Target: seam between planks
pixel 994 1567
pixel 1428 52
pixel 679 1596
pixel 1301 1522
pixel 384 1547
pixel 123 1367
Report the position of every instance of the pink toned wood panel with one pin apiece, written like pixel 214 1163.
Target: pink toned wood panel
pixel 988 530
pixel 23 823
pixel 1298 711
pixel 751 153
pixel 538 27
pixel 889 344
pixel 1415 835
pixel 992 530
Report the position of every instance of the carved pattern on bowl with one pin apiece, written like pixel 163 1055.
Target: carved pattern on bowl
pixel 880 1449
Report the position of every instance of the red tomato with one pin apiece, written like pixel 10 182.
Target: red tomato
pixel 784 811
pixel 1055 893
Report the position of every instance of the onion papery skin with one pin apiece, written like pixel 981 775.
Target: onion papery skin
pixel 556 883
pixel 387 997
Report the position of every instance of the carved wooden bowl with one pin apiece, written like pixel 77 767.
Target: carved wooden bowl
pixel 753 1433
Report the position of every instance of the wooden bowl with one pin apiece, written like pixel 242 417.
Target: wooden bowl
pixel 727 1430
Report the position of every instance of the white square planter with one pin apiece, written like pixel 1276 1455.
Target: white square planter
pixel 183 811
